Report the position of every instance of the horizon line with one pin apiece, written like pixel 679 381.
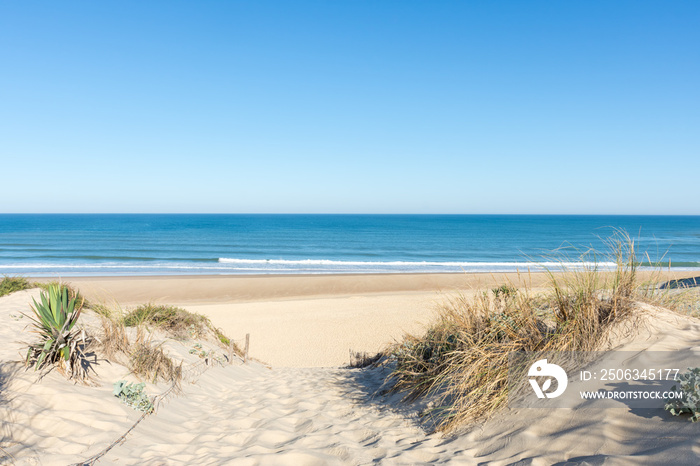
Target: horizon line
pixel 362 213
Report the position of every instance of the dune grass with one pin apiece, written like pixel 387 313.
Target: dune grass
pixel 179 323
pixel 10 284
pixel 176 321
pixel 462 359
pixel 681 296
pixel 146 360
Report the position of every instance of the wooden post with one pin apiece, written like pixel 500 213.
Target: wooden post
pixel 230 352
pixel 247 345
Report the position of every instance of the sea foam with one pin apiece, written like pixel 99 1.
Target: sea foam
pixel 466 264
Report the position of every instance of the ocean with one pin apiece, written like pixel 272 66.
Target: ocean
pixel 62 245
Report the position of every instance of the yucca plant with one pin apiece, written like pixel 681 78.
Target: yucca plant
pixel 61 342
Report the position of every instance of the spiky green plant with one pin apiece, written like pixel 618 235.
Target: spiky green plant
pixel 61 342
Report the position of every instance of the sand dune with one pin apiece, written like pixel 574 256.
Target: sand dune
pixel 249 414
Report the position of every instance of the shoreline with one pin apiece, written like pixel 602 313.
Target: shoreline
pixel 204 289
pixel 208 289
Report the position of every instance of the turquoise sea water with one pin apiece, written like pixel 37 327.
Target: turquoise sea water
pixel 149 244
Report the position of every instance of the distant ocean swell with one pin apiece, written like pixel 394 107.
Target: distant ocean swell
pixel 184 244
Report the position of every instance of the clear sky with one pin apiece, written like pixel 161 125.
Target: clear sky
pixel 350 106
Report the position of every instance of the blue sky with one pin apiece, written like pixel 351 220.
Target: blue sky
pixel 350 106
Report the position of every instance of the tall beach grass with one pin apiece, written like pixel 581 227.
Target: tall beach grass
pixel 462 359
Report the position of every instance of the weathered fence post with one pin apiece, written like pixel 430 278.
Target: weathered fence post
pixel 247 346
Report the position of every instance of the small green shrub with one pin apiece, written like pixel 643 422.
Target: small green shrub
pixel 222 338
pixel 11 284
pixel 503 296
pixel 199 351
pixel 690 403
pixel 174 320
pixel 61 342
pixel 133 395
pixel 504 291
pixel 179 323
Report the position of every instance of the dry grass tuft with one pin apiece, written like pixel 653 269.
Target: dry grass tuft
pixel 146 361
pixel 463 357
pixel 681 296
pixel 359 360
pixel 114 341
pixel 151 363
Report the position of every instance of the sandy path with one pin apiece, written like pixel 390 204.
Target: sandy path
pixel 290 417
pixel 318 416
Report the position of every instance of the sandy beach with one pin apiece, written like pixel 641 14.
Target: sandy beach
pixel 302 321
pixel 309 320
pixel 304 409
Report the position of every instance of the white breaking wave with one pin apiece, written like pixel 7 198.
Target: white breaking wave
pixel 236 266
pixel 311 262
pixel 323 265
